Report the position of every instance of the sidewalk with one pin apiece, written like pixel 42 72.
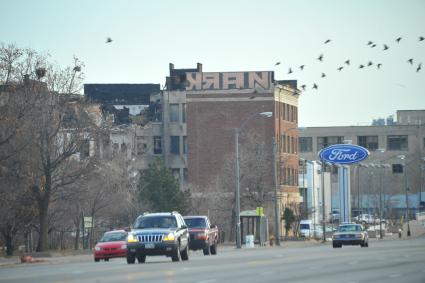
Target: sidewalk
pixel 417 229
pixel 49 258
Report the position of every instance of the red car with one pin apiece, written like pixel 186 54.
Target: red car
pixel 112 244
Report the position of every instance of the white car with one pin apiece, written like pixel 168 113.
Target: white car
pixel 367 219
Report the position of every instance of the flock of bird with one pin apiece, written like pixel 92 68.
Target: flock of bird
pixel 347 62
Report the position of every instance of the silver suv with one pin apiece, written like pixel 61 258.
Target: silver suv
pixel 158 234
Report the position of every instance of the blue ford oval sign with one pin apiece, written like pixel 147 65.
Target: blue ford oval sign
pixel 344 154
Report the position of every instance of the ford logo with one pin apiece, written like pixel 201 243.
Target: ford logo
pixel 344 154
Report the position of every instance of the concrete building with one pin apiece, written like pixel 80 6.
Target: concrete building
pixel 311 190
pixel 395 165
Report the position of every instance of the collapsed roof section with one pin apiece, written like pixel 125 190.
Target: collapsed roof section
pixel 121 94
pixel 127 103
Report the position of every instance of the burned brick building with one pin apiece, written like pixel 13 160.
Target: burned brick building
pixel 191 124
pixel 134 114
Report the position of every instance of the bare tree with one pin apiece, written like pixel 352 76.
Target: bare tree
pixel 58 126
pixel 218 198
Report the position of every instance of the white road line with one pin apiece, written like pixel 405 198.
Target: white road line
pixel 395 275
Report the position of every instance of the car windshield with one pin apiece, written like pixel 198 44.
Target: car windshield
pixel 349 228
pixel 304 226
pixel 196 222
pixel 155 222
pixel 114 237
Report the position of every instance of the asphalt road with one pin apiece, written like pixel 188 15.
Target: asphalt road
pixel 383 261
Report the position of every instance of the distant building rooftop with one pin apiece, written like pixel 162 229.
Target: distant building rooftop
pixel 121 94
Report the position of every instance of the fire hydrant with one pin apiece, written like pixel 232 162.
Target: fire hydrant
pixel 399 232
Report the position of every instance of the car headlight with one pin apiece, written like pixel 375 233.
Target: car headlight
pixel 97 248
pixel 359 236
pixel 131 238
pixel 169 237
pixel 124 247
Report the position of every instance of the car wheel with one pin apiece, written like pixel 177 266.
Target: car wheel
pixel 367 244
pixel 96 259
pixel 131 258
pixel 176 256
pixel 206 250
pixel 141 258
pixel 214 248
pixel 185 253
pixel 106 259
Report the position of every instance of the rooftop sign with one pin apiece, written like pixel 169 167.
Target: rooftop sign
pixel 344 154
pixel 229 80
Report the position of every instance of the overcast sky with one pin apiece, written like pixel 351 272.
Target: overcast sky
pixel 242 35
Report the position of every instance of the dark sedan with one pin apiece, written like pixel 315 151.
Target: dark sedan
pixel 350 234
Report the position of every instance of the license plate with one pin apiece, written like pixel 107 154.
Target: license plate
pixel 149 246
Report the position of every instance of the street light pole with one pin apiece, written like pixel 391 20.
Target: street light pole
pixel 276 205
pixel 238 217
pixel 407 199
pixel 237 193
pixel 323 200
pixel 380 203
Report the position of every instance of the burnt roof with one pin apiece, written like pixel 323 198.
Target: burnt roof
pixel 121 94
pixel 291 83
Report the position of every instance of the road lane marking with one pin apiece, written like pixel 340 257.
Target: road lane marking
pixel 395 275
pixel 207 281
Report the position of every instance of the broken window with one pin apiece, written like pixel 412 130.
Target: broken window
pixel 157 145
pixel 176 173
pixel 115 147
pixel 124 149
pixel 85 149
pixel 141 146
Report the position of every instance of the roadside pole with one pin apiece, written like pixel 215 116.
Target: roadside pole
pixel 323 200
